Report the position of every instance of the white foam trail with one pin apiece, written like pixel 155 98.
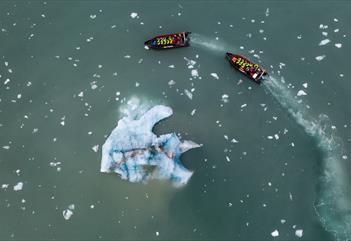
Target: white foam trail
pixel 210 44
pixel 334 203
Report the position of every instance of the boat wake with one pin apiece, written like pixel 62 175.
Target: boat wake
pixel 334 194
pixel 209 44
pixel 334 202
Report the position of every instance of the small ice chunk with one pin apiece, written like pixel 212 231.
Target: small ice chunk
pixel 270 137
pixel 324 42
pixel 228 159
pixel 18 186
pixel 275 233
pixel 171 66
pixel 305 85
pixel 188 93
pixel 92 16
pixel 299 233
pixel 276 136
pixel 225 98
pixel 319 58
pixel 234 141
pixel 95 148
pixel 214 75
pixel 193 112
pixel 243 105
pixel 67 214
pixel 171 82
pixel 194 73
pixel 338 45
pixel 6 147
pixel 81 94
pixel 301 93
pixel 134 15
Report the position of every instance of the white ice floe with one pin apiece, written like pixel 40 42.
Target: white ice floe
pixel 338 45
pixel 275 233
pixel 194 73
pixel 135 153
pixel 134 15
pixel 234 141
pixel 324 42
pixel 95 148
pixel 171 66
pixel 299 233
pixel 171 82
pixel 215 75
pixel 67 213
pixel 18 186
pixel 319 58
pixel 188 93
pixel 193 112
pixel 322 26
pixel 301 93
pixel 225 98
pixel 305 85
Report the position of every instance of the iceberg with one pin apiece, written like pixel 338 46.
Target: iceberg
pixel 136 154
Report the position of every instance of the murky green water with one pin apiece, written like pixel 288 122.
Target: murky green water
pixel 62 64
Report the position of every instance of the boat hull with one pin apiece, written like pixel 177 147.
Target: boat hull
pixel 246 67
pixel 169 41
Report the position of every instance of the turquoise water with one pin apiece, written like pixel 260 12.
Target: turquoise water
pixel 67 69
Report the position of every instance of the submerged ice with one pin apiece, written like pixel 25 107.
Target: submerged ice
pixel 135 153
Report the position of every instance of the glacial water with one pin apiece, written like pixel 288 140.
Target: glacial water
pixel 274 162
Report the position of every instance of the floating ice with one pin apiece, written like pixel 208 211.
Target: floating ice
pixel 134 15
pixel 137 154
pixel 18 186
pixel 188 93
pixel 319 58
pixel 67 213
pixel 215 75
pixel 301 92
pixel 338 45
pixel 275 233
pixel 299 233
pixel 194 73
pixel 324 42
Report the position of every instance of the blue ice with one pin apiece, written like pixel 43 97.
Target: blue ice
pixel 135 153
